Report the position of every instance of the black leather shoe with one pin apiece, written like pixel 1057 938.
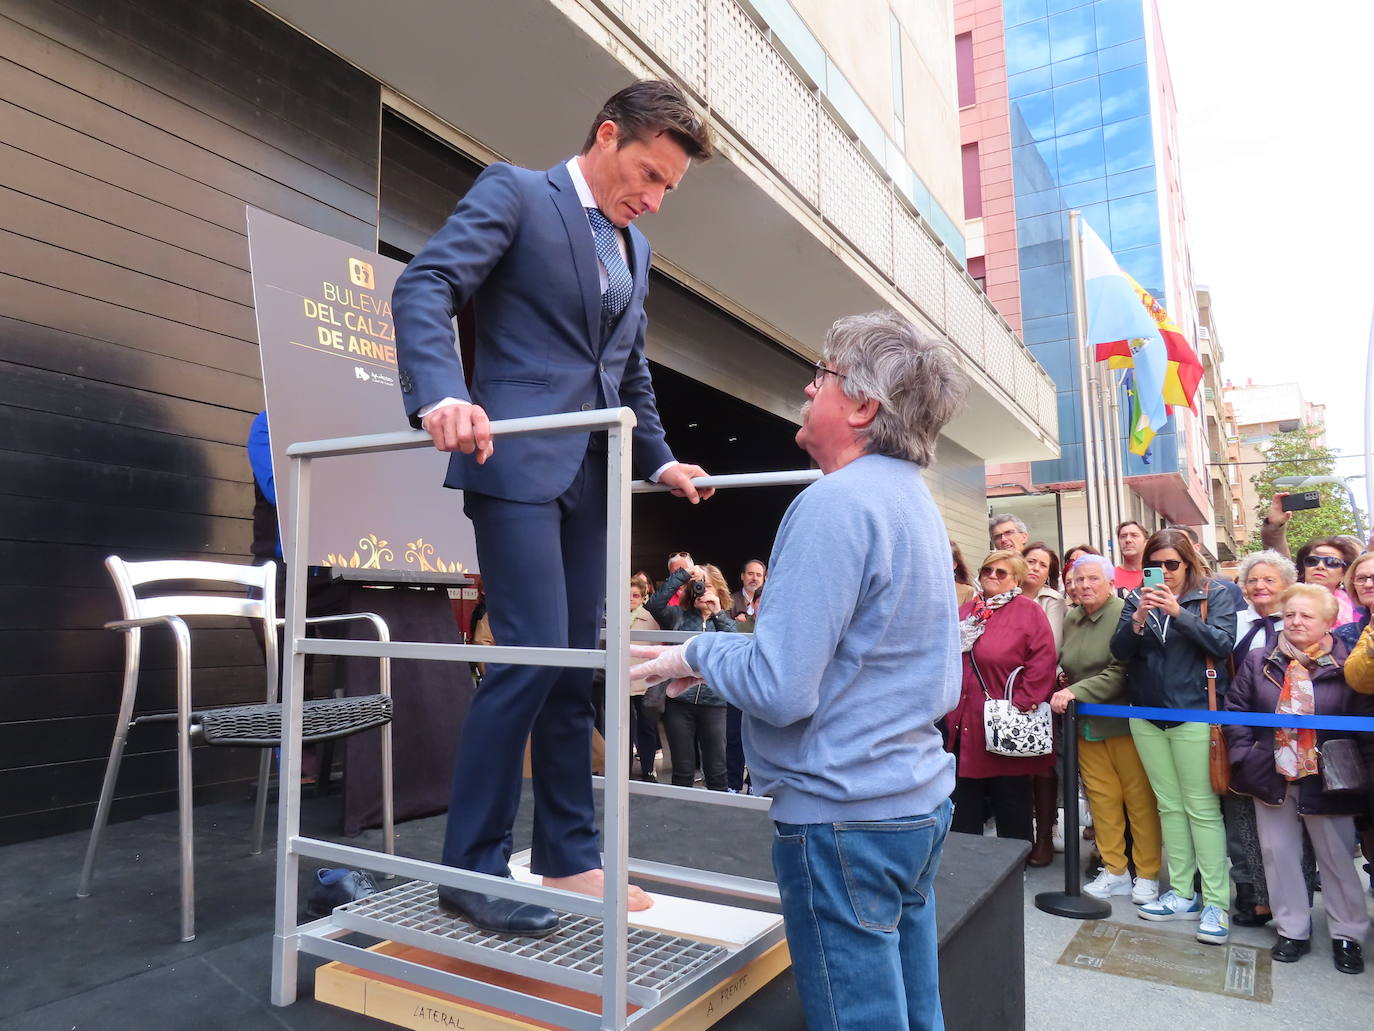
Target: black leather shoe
pixel 1290 950
pixel 1347 955
pixel 498 915
pixel 1245 915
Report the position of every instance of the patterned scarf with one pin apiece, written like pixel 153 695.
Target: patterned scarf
pixel 1295 751
pixel 971 627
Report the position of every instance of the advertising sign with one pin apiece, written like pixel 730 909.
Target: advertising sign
pixel 329 370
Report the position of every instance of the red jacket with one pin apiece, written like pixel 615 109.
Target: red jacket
pixel 1017 634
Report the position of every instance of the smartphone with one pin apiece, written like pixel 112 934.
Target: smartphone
pixel 1298 501
pixel 1153 577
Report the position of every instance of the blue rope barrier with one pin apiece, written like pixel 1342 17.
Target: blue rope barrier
pixel 1233 719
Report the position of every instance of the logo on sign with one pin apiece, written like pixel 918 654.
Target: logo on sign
pixel 360 274
pixel 360 373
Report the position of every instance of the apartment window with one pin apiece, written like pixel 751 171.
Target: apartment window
pixel 978 269
pixel 973 182
pixel 963 64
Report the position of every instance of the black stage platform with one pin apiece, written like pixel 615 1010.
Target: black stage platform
pixel 112 961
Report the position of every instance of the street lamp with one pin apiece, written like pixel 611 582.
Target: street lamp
pixel 1291 483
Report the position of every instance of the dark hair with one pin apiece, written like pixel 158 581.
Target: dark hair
pixel 750 562
pixel 961 574
pixel 1348 552
pixel 1052 580
pixel 1198 574
pixel 1071 556
pixel 652 107
pixel 1130 522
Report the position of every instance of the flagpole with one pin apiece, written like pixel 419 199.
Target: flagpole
pixel 1111 444
pixel 1104 445
pixel 1119 477
pixel 1080 313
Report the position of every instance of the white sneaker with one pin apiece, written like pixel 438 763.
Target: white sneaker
pixel 1145 891
pixel 1057 835
pixel 1106 884
pixel 1171 906
pixel 1215 926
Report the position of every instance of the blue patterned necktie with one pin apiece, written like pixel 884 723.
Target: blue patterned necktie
pixel 619 285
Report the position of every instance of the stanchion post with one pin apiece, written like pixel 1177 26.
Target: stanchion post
pixel 1071 902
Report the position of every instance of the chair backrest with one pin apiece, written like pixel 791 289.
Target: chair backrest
pixel 132 578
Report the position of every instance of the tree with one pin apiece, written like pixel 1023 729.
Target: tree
pixel 1297 453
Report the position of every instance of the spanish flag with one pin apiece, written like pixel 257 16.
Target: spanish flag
pixel 1183 372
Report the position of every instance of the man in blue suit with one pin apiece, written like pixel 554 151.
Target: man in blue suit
pixel 558 274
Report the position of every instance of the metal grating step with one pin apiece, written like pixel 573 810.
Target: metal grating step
pixel 409 913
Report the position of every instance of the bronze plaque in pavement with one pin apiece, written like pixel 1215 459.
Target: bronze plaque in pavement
pixel 1168 957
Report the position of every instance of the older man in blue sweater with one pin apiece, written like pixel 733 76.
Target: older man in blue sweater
pixel 853 660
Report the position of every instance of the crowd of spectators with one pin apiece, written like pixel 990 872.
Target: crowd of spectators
pixel 1158 631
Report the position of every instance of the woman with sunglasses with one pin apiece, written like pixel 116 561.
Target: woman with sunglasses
pixel 1001 633
pixel 1324 561
pixel 1356 635
pixel 1174 638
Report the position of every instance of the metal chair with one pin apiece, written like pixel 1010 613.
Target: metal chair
pixel 251 726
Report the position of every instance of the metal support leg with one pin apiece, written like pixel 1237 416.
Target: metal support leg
pixel 616 838
pixel 132 640
pixel 260 805
pixel 285 948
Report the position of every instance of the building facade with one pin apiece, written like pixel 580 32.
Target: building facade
pixel 1260 410
pixel 1091 117
pixel 135 134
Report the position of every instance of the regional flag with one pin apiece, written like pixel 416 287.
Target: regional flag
pixel 1185 371
pixel 1125 335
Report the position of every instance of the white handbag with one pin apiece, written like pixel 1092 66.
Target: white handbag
pixel 1010 731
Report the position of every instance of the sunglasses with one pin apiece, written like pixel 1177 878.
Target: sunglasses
pixel 1329 561
pixel 681 554
pixel 988 573
pixel 823 371
pixel 1171 564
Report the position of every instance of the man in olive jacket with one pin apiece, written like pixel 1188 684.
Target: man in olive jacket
pixel 1116 783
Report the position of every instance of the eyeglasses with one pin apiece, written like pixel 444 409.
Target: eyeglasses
pixel 1364 579
pixel 989 573
pixel 823 371
pixel 1329 561
pixel 1262 581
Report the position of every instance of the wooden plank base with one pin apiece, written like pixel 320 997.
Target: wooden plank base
pixel 410 1006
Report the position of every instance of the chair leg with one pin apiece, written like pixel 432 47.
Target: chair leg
pixel 388 794
pixel 260 810
pixel 184 785
pixel 121 735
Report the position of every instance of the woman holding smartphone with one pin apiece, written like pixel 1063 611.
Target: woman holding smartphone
pixel 1176 625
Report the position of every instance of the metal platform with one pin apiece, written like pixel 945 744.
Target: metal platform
pixel 571 956
pixel 641 977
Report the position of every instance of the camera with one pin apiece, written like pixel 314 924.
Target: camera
pixel 695 589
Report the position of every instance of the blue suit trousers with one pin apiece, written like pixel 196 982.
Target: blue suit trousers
pixel 544 573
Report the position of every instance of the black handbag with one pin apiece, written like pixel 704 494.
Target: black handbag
pixel 1342 767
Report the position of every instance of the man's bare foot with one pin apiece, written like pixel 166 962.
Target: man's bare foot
pixel 593 882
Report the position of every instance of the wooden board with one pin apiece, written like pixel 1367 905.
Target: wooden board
pixel 407 1005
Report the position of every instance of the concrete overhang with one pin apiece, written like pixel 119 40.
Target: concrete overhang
pixel 525 77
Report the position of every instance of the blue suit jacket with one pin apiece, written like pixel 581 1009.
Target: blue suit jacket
pixel 519 243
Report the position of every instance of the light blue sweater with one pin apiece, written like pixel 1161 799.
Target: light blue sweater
pixel 855 655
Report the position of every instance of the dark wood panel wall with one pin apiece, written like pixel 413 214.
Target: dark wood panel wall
pixel 132 135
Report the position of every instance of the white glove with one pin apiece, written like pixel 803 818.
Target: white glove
pixel 664 662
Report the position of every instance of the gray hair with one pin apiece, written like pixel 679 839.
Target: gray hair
pixel 1287 571
pixel 998 518
pixel 1103 563
pixel 916 379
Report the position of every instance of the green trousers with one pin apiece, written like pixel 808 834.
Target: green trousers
pixel 1189 810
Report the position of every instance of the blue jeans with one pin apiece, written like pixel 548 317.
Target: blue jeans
pixel 858 901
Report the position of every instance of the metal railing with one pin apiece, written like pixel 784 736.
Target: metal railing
pixel 320 937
